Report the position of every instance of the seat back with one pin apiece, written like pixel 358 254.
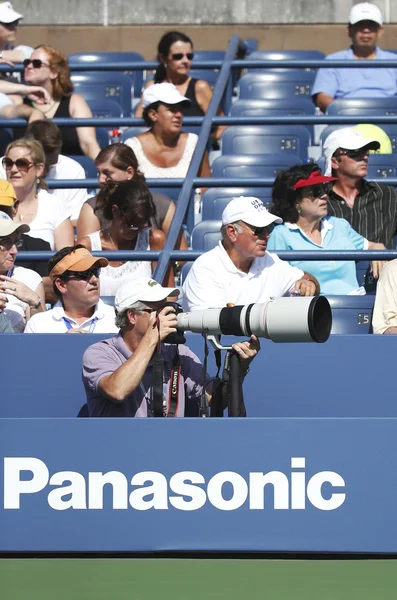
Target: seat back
pixel 206 235
pixel 133 132
pixel 105 107
pixel 215 200
pixel 88 165
pixel 351 314
pixel 382 165
pixel 266 140
pixel 363 106
pixel 288 84
pixel 94 57
pixel 104 84
pixel 260 165
pixel 279 55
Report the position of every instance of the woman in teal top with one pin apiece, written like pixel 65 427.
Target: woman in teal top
pixel 300 197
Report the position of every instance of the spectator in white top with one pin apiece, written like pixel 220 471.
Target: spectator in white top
pixel 57 166
pixel 239 270
pixel 9 21
pixel 74 273
pixel 384 319
pixel 48 218
pixel 21 290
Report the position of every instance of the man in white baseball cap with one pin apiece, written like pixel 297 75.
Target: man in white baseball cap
pixel 369 207
pixel 9 20
pixel 120 374
pixel 365 29
pixel 240 270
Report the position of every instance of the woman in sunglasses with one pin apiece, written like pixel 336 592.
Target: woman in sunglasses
pixel 47 216
pixel 21 289
pixel 49 68
pixel 299 197
pixel 128 208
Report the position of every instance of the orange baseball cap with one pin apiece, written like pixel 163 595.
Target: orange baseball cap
pixel 78 260
pixel 7 193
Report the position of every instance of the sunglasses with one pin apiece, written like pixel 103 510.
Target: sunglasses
pixel 36 63
pixel 180 55
pixel 316 191
pixel 22 164
pixel 8 242
pixel 132 226
pixel 354 154
pixel 80 275
pixel 257 231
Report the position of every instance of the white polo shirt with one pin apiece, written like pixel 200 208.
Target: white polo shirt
pixel 54 321
pixel 65 168
pixel 214 280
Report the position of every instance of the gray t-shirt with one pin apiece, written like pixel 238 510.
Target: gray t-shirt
pixel 105 357
pixel 161 202
pixel 5 324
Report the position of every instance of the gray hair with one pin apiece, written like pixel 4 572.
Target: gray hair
pixel 122 321
pixel 236 224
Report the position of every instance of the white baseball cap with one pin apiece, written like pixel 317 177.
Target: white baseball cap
pixel 365 11
pixel 141 290
pixel 7 225
pixel 347 138
pixel 8 14
pixel 163 92
pixel 250 210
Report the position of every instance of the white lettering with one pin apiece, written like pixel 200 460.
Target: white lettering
pixel 14 487
pixel 240 490
pixel 179 486
pixel 280 484
pixel 298 484
pixel 314 490
pixel 158 489
pixel 96 483
pixel 76 490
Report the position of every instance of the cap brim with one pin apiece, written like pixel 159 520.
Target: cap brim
pixel 87 263
pixel 372 145
pixel 13 227
pixel 6 201
pixel 11 17
pixel 156 295
pixel 266 220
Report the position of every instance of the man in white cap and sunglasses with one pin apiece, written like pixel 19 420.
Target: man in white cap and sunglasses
pixel 369 207
pixel 240 270
pixel 120 374
pixel 9 21
pixel 365 29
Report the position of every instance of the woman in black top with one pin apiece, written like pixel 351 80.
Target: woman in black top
pixel 50 68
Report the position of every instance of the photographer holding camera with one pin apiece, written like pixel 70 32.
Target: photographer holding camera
pixel 124 376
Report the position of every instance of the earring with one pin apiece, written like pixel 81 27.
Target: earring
pixel 298 210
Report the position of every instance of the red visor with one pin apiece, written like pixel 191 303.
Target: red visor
pixel 315 178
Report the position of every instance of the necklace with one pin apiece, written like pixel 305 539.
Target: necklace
pixel 48 109
pixel 22 217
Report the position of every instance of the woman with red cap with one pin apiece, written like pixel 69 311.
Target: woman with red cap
pixel 300 198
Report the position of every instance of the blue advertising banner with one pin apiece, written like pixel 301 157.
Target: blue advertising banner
pixel 114 485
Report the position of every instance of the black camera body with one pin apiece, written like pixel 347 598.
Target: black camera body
pixel 177 337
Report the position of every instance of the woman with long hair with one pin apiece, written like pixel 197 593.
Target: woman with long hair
pixel 48 68
pixel 128 208
pixel 46 215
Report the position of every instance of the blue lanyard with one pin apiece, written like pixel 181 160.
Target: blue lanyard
pixel 92 326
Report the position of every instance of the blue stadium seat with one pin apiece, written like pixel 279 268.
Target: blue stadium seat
pixel 103 138
pixel 206 235
pixel 208 55
pixel 109 300
pixel 104 84
pixel 363 106
pixel 280 55
pixel 6 137
pixel 104 107
pixel 390 129
pixel 351 314
pixel 133 131
pixel 215 200
pixel 185 270
pixel 266 140
pixel 260 165
pixel 299 105
pixel 95 57
pixel 206 75
pixel 88 165
pixel 289 84
pixel 382 165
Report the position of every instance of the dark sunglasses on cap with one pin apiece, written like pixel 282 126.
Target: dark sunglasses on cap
pixel 80 275
pixel 22 164
pixel 354 154
pixel 180 55
pixel 316 191
pixel 36 63
pixel 7 243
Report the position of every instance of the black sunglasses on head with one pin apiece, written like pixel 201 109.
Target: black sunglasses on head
pixel 180 55
pixel 80 275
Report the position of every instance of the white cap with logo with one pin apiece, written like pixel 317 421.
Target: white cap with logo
pixel 8 14
pixel 7 225
pixel 163 92
pixel 347 138
pixel 141 290
pixel 250 210
pixel 365 11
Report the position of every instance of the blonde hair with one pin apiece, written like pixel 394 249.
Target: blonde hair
pixel 36 151
pixel 62 85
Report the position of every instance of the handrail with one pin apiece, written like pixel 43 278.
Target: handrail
pixel 184 197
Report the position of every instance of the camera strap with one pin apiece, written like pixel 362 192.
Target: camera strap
pixel 173 395
pixel 217 407
pixel 158 377
pixel 203 408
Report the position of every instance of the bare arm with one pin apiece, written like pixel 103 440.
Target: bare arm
pixel 308 285
pixel 21 111
pixel 157 241
pixel 79 109
pixel 85 241
pixel 322 101
pixel 181 243
pixel 377 265
pixel 63 235
pixel 125 380
pixel 204 95
pixel 87 222
pixel 139 109
pixel 13 56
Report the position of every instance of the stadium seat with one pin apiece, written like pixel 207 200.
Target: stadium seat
pixel 185 270
pixel 206 235
pixel 363 106
pixel 351 314
pixel 6 137
pixel 382 165
pixel 95 57
pixel 104 84
pixel 103 138
pixel 297 106
pixel 280 55
pixel 104 107
pixel 205 74
pixel 260 165
pixel 266 140
pixel 215 200
pixel 88 165
pixel 133 131
pixel 109 300
pixel 289 84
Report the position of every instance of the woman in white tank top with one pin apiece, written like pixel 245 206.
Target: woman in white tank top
pixel 128 206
